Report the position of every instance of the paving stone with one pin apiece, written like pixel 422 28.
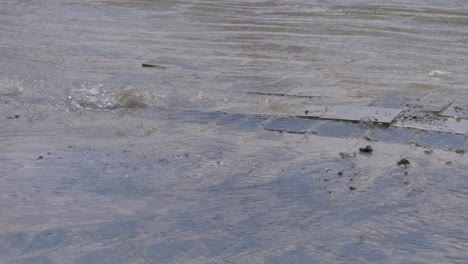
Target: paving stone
pixel 240 121
pixel 48 239
pixel 392 102
pixel 262 104
pixel 287 108
pixel 319 89
pixel 338 129
pixel 392 134
pixel 430 139
pixel 438 123
pixel 291 124
pixel 431 102
pixel 197 116
pixel 456 110
pixel 356 113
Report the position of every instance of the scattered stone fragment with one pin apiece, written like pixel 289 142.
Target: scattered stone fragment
pixel 148 65
pixel 449 162
pixel 403 162
pixel 406 173
pixel 325 180
pixel 428 151
pixel 11 117
pixel 306 112
pixel 340 173
pixel 39 158
pixel 345 155
pixel 460 151
pixel 367 149
pixel 370 139
pixel 351 188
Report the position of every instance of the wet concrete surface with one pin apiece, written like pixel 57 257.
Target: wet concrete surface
pixel 211 157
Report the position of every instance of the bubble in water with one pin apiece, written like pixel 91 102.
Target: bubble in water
pixel 96 97
pixel 438 73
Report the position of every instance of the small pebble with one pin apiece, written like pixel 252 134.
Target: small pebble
pixel 39 158
pixel 352 188
pixel 428 151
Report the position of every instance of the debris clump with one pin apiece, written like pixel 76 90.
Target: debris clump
pixel 367 149
pixel 403 162
pixel 345 155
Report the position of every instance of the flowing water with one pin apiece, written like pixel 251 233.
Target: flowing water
pixel 106 161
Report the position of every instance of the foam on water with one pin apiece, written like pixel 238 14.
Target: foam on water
pixel 97 97
pixel 10 87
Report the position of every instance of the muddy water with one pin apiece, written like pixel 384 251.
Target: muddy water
pixel 348 51
pixel 106 161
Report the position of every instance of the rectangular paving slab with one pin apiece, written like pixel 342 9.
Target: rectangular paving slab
pixel 431 139
pixel 241 121
pixel 291 125
pixel 456 110
pixel 392 134
pixel 432 102
pixel 328 128
pixel 449 125
pixel 357 113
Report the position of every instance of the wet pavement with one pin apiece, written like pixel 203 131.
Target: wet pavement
pixel 241 143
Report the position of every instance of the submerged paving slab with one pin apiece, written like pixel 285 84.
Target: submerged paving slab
pixel 291 125
pixel 431 139
pixel 240 121
pixel 328 93
pixel 357 113
pixel 432 102
pixel 270 104
pixel 301 109
pixel 329 128
pixel 456 110
pixel 431 122
pixel 392 134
